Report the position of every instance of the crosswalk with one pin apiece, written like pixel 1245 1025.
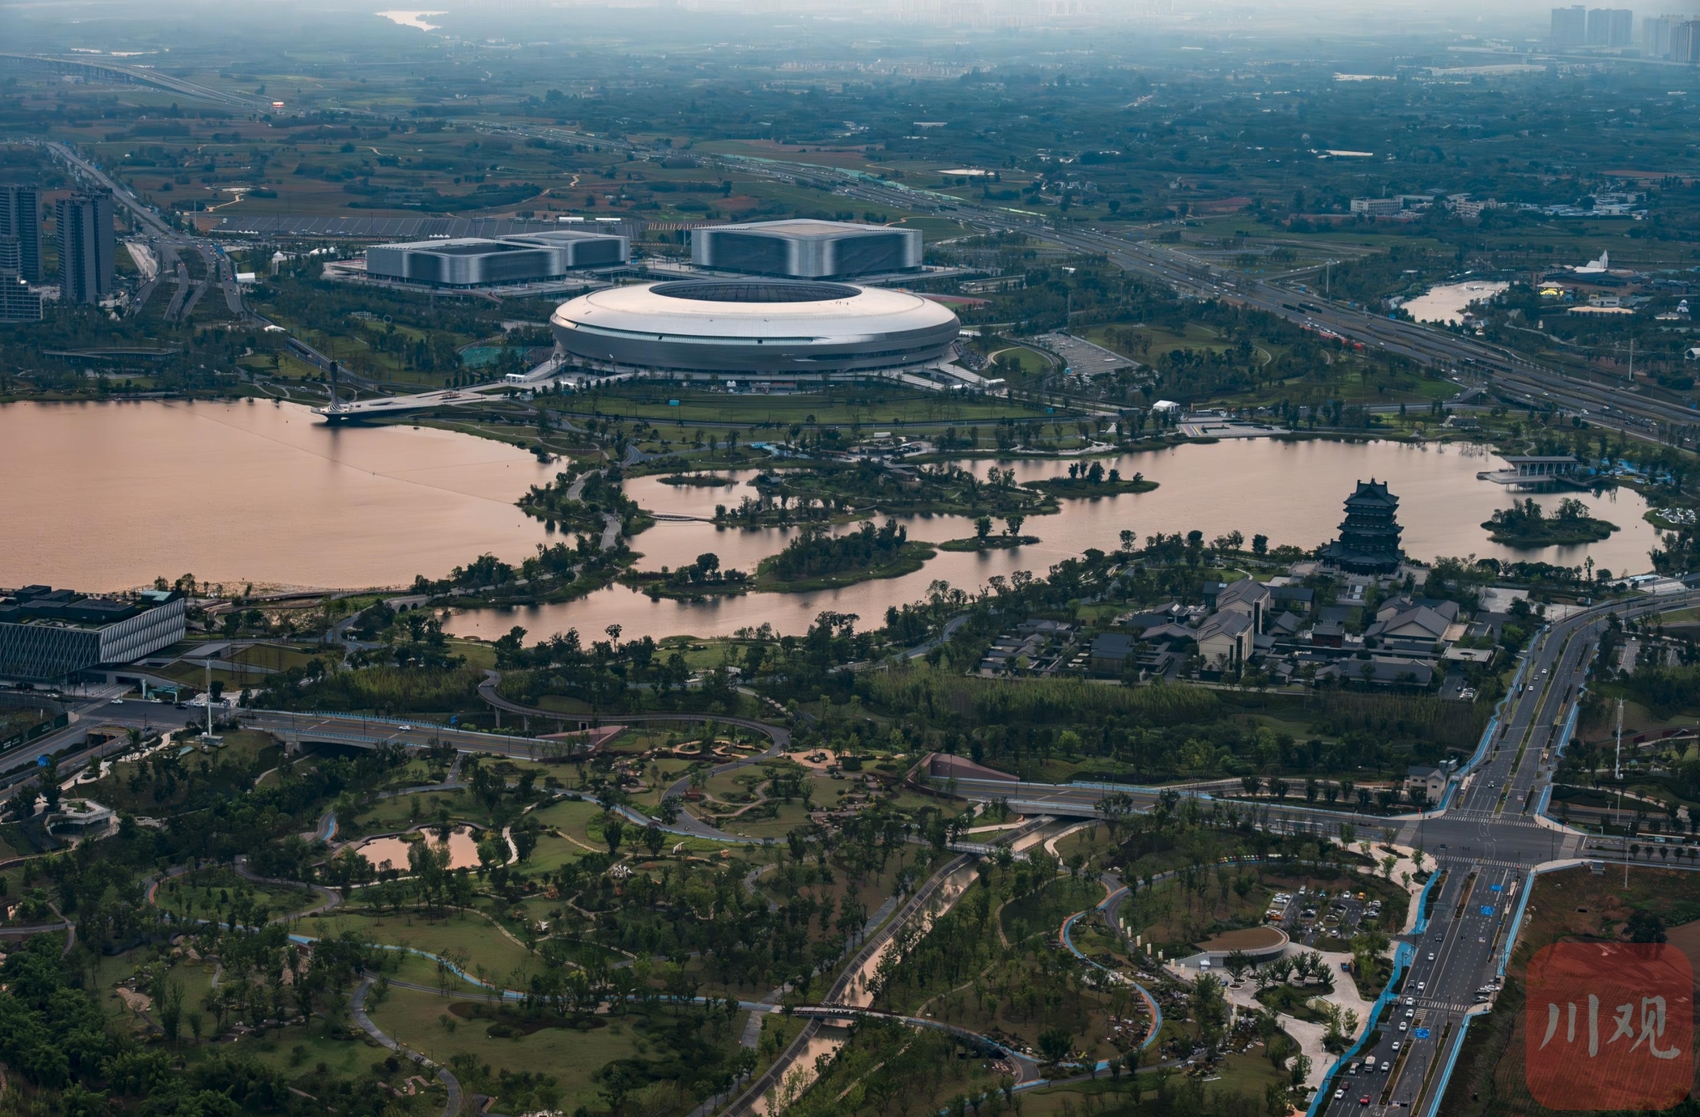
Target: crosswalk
pixel 1507 818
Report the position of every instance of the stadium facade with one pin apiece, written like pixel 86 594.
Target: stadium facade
pixel 479 262
pixel 806 249
pixel 755 328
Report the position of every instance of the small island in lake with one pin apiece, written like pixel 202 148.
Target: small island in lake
pixel 984 540
pixel 1528 525
pixel 1092 480
pixel 816 560
pixel 702 578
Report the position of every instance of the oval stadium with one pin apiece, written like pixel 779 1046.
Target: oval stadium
pixel 758 328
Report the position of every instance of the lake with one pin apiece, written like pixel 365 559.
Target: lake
pixel 1290 491
pixel 107 496
pixel 409 18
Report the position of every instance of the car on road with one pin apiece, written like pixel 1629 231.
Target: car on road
pixel 404 729
pixel 1409 1001
pixel 1404 1025
pixel 1421 985
pixel 1395 1047
pixel 1431 956
pixel 116 702
pixel 1364 1100
pixel 1340 1093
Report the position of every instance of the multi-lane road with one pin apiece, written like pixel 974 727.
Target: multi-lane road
pixel 1486 841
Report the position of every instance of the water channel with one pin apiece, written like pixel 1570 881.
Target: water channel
pixel 107 496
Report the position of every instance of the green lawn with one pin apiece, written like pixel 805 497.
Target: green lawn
pixel 835 406
pixel 474 935
pixel 571 1055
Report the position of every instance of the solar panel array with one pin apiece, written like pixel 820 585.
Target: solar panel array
pixel 407 228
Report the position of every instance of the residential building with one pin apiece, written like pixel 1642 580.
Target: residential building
pixel 1111 652
pixel 1685 41
pixel 1609 27
pixel 1369 536
pixel 1570 26
pixel 1225 641
pixel 20 217
pixel 1414 626
pixel 1381 671
pixel 1472 208
pixel 1377 206
pixel 1429 780
pixel 1248 598
pixel 17 302
pixel 1655 35
pixel 86 247
pixel 1328 634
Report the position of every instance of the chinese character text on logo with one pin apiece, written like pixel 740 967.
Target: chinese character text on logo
pixel 1610 1026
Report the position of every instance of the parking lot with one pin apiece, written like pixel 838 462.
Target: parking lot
pixel 1082 358
pixel 1311 915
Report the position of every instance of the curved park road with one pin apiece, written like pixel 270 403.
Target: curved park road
pixel 357 1009
pixel 328 897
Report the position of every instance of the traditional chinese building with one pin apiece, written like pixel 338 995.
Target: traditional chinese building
pixel 1369 536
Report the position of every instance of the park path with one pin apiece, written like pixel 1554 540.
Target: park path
pixel 357 1009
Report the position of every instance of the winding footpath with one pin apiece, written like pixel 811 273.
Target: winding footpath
pixel 357 1009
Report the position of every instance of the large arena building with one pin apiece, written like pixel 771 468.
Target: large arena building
pixel 479 262
pixel 806 249
pixel 759 329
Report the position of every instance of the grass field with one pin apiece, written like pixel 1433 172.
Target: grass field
pixel 572 1056
pixel 836 406
pixel 211 892
pixel 499 958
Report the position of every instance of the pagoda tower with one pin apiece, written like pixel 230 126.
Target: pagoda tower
pixel 1369 536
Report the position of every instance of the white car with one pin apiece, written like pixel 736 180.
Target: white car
pixel 1410 1012
pixel 1395 1047
pixel 116 702
pixel 1431 956
pixel 1409 1001
pixel 1421 986
pixel 1404 1025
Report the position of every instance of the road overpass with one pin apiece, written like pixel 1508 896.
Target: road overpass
pixel 1486 842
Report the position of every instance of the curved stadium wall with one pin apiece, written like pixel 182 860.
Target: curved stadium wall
pixel 755 328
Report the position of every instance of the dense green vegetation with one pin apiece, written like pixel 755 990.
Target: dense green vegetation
pixel 825 493
pixel 815 560
pixel 1528 525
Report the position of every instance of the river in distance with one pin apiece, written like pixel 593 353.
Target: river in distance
pixel 106 496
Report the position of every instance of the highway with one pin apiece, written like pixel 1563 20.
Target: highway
pixel 1515 378
pixel 168 243
pixel 1486 841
